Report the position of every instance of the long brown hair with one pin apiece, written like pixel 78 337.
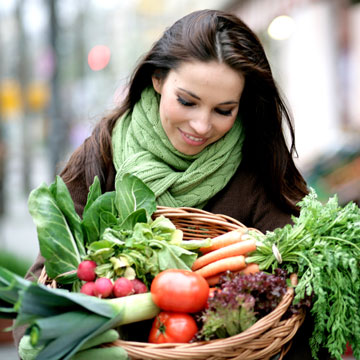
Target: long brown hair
pixel 212 35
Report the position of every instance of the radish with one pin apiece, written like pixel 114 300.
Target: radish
pixel 123 287
pixel 139 286
pixel 88 288
pixel 86 270
pixel 103 287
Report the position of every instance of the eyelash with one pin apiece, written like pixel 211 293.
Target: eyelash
pixel 186 103
pixel 223 112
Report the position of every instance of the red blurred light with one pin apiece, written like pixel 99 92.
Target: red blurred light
pixel 99 57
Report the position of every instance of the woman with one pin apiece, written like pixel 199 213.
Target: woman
pixel 202 126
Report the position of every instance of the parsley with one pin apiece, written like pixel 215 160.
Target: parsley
pixel 323 248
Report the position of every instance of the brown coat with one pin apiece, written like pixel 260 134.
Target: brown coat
pixel 244 199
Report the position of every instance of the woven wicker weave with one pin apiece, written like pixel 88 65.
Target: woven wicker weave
pixel 267 337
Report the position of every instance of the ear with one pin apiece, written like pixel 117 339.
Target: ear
pixel 157 83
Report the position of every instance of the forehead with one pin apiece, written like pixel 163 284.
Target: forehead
pixel 207 78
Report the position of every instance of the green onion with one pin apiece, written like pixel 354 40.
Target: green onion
pixel 63 321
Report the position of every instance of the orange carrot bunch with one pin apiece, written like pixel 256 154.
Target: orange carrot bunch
pixel 227 252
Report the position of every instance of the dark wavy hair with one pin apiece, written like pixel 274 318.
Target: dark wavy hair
pixel 212 35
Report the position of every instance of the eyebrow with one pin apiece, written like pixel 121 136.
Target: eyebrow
pixel 197 97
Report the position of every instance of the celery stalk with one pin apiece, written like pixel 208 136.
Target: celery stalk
pixel 63 321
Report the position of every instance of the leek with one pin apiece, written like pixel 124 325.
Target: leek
pixel 63 321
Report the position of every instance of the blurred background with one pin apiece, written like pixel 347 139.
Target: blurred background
pixel 64 63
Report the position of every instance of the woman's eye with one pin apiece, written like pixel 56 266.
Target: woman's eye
pixel 224 112
pixel 184 102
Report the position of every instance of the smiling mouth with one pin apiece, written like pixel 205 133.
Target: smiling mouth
pixel 193 140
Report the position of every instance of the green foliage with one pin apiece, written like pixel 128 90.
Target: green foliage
pixel 323 248
pixel 14 262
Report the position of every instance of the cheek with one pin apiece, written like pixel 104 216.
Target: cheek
pixel 225 126
pixel 170 113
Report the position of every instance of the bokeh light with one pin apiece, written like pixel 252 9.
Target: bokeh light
pixel 99 57
pixel 281 28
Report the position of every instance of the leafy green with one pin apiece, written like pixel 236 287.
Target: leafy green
pixel 59 231
pixel 99 215
pixel 323 248
pixel 222 321
pixel 64 201
pixel 138 216
pixel 94 193
pixel 137 196
pixel 147 248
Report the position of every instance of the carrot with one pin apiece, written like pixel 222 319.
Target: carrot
pixel 213 280
pixel 251 268
pixel 222 240
pixel 239 248
pixel 234 263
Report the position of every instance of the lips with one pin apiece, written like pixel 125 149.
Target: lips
pixel 192 140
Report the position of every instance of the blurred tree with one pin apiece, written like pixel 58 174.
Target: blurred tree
pixel 58 130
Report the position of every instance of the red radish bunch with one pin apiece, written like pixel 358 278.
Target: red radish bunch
pixel 139 286
pixel 86 270
pixel 88 288
pixel 104 287
pixel 123 287
pixel 101 287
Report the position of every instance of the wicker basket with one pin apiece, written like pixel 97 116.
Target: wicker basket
pixel 267 337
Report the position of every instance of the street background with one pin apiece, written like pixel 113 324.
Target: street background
pixel 64 63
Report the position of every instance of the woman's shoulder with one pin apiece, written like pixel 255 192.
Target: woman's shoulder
pixel 245 198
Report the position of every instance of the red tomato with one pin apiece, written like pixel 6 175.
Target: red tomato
pixel 179 291
pixel 171 327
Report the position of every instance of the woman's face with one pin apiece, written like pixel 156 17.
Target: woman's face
pixel 199 104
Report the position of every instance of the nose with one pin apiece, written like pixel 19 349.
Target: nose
pixel 201 123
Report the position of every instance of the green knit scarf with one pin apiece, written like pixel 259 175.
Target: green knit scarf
pixel 141 147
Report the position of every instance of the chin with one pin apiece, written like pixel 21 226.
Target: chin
pixel 191 152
